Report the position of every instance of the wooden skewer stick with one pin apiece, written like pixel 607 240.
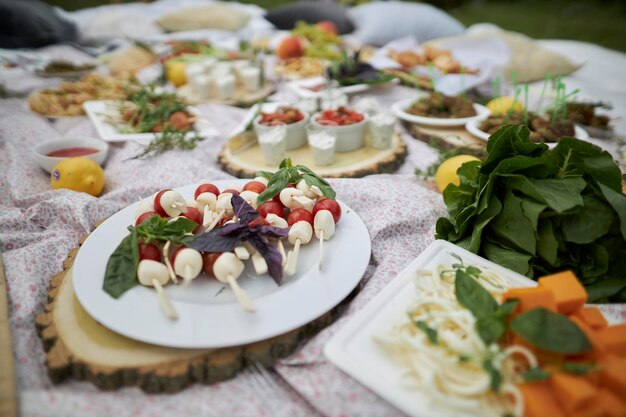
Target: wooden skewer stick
pixel 179 206
pixel 217 219
pixel 242 296
pixel 206 215
pixel 164 300
pixel 168 264
pixel 281 249
pixel 187 276
pixel 293 258
pixel 321 249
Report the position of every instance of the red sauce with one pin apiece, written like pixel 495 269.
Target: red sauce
pixel 70 152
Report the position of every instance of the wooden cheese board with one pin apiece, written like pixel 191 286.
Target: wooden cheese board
pixel 78 347
pixel 242 157
pixel 445 137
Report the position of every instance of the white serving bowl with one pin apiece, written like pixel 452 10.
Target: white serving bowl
pixel 42 150
pixel 349 137
pixel 296 132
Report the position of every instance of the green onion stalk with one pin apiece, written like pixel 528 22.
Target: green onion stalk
pixel 518 90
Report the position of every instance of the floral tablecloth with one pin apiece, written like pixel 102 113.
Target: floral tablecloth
pixel 38 226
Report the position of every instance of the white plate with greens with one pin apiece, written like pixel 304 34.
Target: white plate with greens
pixel 103 112
pixel 208 315
pixel 399 109
pixel 354 350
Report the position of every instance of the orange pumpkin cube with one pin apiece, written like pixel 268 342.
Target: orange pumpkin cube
pixel 613 374
pixel 569 293
pixel 592 316
pixel 614 339
pixel 539 400
pixel 610 404
pixel 592 336
pixel 529 298
pixel 572 392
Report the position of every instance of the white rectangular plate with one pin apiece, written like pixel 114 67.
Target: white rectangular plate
pixel 354 350
pixel 97 111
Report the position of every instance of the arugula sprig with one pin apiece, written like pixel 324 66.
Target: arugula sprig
pixel 289 174
pixel 121 270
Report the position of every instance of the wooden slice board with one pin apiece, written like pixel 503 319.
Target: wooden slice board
pixel 241 98
pixel 78 347
pixel 8 392
pixel 445 137
pixel 242 157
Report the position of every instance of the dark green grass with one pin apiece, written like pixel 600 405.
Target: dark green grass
pixel 598 21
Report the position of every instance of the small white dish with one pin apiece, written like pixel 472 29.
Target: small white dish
pixel 473 127
pixel 354 350
pixel 398 109
pixel 296 132
pixel 99 111
pixel 42 150
pixel 348 137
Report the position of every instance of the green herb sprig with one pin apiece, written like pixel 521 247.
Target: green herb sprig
pixel 168 140
pixel 121 270
pixel 290 174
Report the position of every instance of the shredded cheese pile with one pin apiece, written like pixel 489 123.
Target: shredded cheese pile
pixel 437 344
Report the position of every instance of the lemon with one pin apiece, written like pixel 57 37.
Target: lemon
pixel 175 71
pixel 78 174
pixel 502 105
pixel 446 173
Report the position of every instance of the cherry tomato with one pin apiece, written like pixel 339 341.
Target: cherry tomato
pixel 222 221
pixel 145 217
pixel 230 190
pixel 175 254
pixel 330 205
pixel 206 188
pixel 195 216
pixel 208 259
pixel 271 207
pixel 300 214
pixel 157 204
pixel 259 221
pixel 149 251
pixel 255 186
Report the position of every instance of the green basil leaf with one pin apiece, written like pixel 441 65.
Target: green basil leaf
pixel 473 296
pixel 277 183
pixel 507 308
pixel 429 331
pixel 578 368
pixel 121 270
pixel 312 178
pixel 550 331
pixel 294 175
pixel 494 375
pixel 535 374
pixel 265 174
pixel 285 163
pixel 490 329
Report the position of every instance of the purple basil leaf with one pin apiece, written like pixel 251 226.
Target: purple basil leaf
pixel 230 228
pixel 244 211
pixel 272 257
pixel 271 231
pixel 214 242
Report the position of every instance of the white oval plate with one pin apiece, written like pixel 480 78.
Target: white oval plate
pixel 207 320
pixel 98 110
pixel 473 127
pixel 398 109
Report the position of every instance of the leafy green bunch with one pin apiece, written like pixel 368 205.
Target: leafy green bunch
pixel 538 211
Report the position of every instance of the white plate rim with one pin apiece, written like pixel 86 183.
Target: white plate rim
pixel 94 108
pixel 473 128
pixel 398 109
pixel 336 284
pixel 413 403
